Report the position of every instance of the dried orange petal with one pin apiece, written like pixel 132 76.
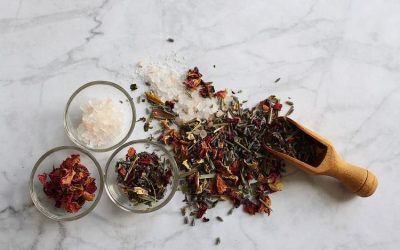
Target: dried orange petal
pixel 131 152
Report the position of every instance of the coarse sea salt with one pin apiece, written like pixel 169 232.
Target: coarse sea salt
pixel 167 83
pixel 102 122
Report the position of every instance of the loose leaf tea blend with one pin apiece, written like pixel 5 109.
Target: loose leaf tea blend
pixel 222 156
pixel 69 185
pixel 143 177
pixel 284 137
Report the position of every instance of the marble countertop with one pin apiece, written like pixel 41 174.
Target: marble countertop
pixel 338 60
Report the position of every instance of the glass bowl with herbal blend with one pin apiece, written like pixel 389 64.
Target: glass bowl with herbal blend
pixel 66 183
pixel 141 176
pixel 99 116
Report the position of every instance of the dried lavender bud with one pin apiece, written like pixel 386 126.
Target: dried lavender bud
pixel 141 119
pixel 134 87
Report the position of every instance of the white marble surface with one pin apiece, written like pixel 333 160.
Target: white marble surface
pixel 338 60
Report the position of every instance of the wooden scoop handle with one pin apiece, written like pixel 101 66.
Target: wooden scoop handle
pixel 359 180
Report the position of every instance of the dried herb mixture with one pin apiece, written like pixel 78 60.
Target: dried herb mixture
pixel 222 156
pixel 284 137
pixel 143 177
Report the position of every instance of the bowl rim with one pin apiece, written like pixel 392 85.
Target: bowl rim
pixel 100 185
pixel 89 84
pixel 175 180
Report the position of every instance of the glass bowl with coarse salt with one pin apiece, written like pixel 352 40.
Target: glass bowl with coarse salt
pixel 99 116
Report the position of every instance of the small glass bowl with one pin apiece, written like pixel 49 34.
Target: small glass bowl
pixel 99 90
pixel 55 157
pixel 116 194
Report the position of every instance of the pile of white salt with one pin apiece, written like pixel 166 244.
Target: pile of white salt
pixel 102 122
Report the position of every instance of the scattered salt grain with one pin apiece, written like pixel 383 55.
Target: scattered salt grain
pixel 102 122
pixel 167 83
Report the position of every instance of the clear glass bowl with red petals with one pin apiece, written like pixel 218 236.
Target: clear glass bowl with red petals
pixel 141 176
pixel 66 183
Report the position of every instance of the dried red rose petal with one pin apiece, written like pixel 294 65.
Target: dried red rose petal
pixel 72 207
pixel 90 186
pixel 277 106
pixel 42 178
pixel 145 161
pixel 194 179
pixel 122 171
pixel 67 178
pixel 235 167
pixel 201 210
pixel 184 151
pixel 235 198
pixel 203 150
pixel 193 79
pixel 221 94
pixel 220 154
pixel 274 182
pixel 70 184
pixel 207 90
pixel 70 162
pixel 55 175
pixel 170 104
pixel 214 153
pixel 265 206
pixel 221 186
pixel 192 83
pixel 193 73
pixel 250 207
pixel 88 196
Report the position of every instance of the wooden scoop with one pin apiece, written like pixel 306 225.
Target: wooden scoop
pixel 358 180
